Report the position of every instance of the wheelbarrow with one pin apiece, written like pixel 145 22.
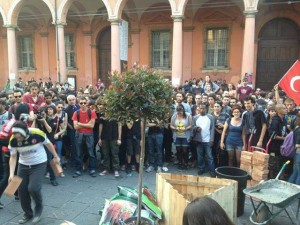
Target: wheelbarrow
pixel 276 193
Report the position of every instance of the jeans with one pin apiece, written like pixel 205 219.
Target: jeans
pixel 156 141
pixel 58 148
pixel 295 176
pixel 48 167
pixel 31 186
pixel 88 140
pixel 205 148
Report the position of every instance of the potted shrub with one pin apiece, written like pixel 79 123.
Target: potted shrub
pixel 139 94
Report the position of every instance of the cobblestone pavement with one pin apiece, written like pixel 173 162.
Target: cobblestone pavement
pixel 79 199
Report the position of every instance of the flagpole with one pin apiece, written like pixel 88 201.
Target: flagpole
pixel 288 71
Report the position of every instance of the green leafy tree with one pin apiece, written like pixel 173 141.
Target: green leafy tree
pixel 139 95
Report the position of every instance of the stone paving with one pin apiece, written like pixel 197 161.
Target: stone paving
pixel 79 199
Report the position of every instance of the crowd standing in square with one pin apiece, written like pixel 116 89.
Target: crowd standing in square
pixel 211 122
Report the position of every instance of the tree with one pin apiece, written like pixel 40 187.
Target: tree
pixel 139 95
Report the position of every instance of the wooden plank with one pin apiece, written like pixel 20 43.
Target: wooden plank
pixel 195 184
pixel 173 201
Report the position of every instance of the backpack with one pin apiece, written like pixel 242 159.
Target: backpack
pixel 287 149
pixel 88 111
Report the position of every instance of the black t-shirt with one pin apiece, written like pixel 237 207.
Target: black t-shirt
pixel 291 116
pixel 279 127
pixel 255 121
pixel 109 130
pixel 134 132
pixel 70 111
pixel 54 123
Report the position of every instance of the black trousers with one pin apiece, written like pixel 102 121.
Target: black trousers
pixel 31 186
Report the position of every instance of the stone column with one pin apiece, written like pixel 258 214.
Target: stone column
pixel 45 55
pixel 88 57
pixel 248 47
pixel 5 54
pixel 12 54
pixel 177 51
pixel 115 46
pixel 61 52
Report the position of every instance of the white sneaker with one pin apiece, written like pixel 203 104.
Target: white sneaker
pixel 165 169
pixel 62 175
pixel 47 176
pixel 158 169
pixel 149 169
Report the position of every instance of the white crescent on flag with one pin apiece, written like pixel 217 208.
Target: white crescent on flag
pixel 293 81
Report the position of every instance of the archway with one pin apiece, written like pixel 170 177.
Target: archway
pixel 278 49
pixel 104 53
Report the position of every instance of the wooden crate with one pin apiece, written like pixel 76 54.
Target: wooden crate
pixel 175 191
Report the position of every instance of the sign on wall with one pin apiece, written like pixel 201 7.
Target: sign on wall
pixel 123 30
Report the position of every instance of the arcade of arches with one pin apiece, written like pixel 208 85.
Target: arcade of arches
pixel 183 39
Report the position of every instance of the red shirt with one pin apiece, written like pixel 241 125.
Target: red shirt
pixel 244 91
pixel 35 104
pixel 84 118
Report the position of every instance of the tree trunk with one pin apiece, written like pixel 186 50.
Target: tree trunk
pixel 140 183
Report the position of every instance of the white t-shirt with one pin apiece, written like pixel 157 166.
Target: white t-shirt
pixel 32 149
pixel 204 123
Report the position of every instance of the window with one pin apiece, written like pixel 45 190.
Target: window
pixel 26 52
pixel 216 50
pixel 70 52
pixel 161 49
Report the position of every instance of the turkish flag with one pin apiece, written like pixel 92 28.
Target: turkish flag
pixel 290 82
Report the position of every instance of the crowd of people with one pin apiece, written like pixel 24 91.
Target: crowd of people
pixel 211 123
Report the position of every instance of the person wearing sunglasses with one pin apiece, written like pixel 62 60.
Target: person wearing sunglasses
pixel 18 95
pixel 84 121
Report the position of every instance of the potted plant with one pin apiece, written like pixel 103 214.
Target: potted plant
pixel 139 95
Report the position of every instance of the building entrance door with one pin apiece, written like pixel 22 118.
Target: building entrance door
pixel 278 49
pixel 104 43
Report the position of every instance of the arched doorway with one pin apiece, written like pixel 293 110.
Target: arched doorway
pixel 104 63
pixel 278 49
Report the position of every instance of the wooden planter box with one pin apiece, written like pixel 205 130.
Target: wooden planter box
pixel 175 191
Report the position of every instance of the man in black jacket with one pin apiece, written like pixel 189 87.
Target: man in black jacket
pixel 70 144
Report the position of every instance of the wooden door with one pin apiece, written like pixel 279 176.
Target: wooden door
pixel 278 49
pixel 104 44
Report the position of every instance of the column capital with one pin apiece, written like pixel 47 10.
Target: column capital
pixel 250 13
pixel 12 26
pixel 114 21
pixel 177 18
pixel 59 23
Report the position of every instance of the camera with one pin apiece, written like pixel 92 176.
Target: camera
pixel 24 117
pixel 39 115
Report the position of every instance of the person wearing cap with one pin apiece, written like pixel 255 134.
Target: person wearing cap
pixel 21 113
pixel 29 143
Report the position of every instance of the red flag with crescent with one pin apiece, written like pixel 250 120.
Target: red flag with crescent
pixel 290 82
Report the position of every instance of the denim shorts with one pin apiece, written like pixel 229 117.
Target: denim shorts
pixel 181 142
pixel 233 148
